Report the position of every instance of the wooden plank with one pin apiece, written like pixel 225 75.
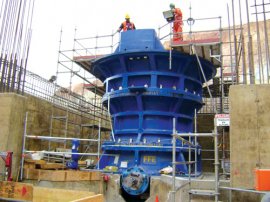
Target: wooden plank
pixel 16 190
pixel 35 161
pixel 54 176
pixel 95 175
pixel 42 194
pixel 52 166
pixel 78 176
pixel 82 163
pixel 96 198
pixel 30 174
pixel 29 165
pixel 60 175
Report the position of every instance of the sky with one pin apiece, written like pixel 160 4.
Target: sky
pixel 98 17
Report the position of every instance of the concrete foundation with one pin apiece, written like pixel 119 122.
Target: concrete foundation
pixel 161 187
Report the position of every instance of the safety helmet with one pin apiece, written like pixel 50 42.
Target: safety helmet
pixel 127 16
pixel 172 5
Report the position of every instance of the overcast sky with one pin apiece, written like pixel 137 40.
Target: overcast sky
pixel 92 17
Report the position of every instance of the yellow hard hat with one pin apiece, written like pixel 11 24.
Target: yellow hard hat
pixel 127 16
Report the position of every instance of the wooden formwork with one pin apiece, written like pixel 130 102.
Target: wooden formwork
pixel 60 175
pixel 27 192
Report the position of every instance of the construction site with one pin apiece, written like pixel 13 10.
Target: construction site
pixel 164 114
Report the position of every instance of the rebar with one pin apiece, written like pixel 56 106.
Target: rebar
pixel 235 46
pixel 259 51
pixel 15 39
pixel 250 48
pixel 229 32
pixel 242 46
pixel 266 43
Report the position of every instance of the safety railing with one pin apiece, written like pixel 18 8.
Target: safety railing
pixel 97 45
pixel 35 85
pixel 194 30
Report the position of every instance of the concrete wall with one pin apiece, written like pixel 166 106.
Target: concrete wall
pixel 12 110
pixel 38 122
pixel 249 133
pixel 39 117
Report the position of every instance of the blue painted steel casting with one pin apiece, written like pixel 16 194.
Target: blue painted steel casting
pixel 144 95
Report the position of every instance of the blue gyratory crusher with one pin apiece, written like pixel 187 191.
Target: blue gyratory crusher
pixel 143 96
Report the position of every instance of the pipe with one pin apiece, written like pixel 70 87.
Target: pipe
pixel 196 134
pixel 216 163
pixel 23 144
pixel 200 65
pixel 223 149
pixel 173 159
pixel 170 53
pixel 58 138
pixel 99 136
pixel 195 130
pixel 230 41
pixel 66 153
pixel 148 146
pixel 244 190
pixel 221 69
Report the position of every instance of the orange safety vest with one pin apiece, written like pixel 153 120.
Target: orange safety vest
pixel 129 26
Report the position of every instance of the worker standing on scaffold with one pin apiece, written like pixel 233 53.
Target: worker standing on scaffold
pixel 177 23
pixel 126 25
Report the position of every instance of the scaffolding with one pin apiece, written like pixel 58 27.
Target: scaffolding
pixel 76 114
pixel 67 67
pixel 207 45
pixel 192 145
pixel 237 73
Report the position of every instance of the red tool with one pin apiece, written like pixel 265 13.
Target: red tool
pixel 7 157
pixel 106 179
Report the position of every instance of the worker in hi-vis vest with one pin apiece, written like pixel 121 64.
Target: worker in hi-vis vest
pixel 126 25
pixel 177 23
